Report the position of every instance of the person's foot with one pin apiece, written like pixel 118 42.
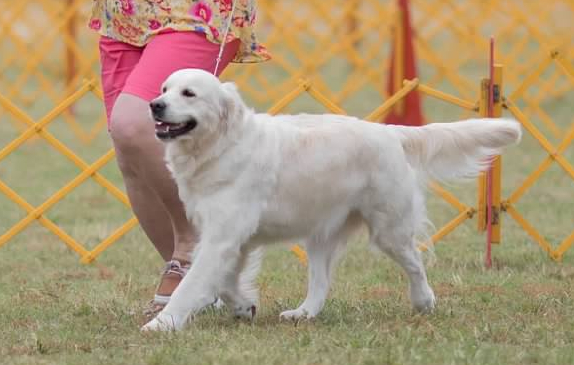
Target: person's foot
pixel 172 275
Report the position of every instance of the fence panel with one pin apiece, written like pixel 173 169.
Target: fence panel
pixel 327 56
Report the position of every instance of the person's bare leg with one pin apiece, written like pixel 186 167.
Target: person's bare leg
pixel 148 208
pixel 151 189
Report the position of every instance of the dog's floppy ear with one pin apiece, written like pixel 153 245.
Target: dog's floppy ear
pixel 231 107
pixel 230 87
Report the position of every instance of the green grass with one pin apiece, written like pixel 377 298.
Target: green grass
pixel 53 310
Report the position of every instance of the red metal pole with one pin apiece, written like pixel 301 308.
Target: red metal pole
pixel 403 52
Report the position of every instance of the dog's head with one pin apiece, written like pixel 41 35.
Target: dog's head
pixel 194 104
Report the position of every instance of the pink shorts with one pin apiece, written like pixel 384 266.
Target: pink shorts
pixel 140 71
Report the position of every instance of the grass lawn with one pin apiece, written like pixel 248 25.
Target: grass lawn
pixel 53 310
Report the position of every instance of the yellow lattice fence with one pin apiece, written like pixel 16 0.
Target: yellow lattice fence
pixel 334 53
pixel 342 46
pixel 39 128
pixel 555 153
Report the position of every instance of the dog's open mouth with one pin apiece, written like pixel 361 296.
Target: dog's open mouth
pixel 165 130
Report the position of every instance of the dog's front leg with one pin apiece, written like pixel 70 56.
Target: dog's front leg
pixel 199 287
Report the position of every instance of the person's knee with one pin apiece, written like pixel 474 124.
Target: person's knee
pixel 127 132
pixel 131 129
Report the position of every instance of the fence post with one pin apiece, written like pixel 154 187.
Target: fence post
pixel 496 167
pixel 496 170
pixel 481 204
pixel 490 183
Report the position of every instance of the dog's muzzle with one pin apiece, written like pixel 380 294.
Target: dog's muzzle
pixel 166 130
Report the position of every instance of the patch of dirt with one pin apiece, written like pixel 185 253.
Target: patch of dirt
pixel 33 295
pixel 21 350
pixel 447 289
pixel 538 289
pixel 485 289
pixel 105 273
pixel 71 275
pixel 379 291
pixel 27 323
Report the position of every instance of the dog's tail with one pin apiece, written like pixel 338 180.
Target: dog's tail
pixel 446 151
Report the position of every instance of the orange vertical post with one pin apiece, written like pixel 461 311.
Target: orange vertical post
pixel 496 169
pixel 481 203
pixel 493 175
pixel 496 174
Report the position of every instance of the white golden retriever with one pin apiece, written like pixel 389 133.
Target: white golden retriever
pixel 249 179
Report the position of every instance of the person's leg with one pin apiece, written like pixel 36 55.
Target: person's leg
pixel 151 189
pixel 118 60
pixel 141 155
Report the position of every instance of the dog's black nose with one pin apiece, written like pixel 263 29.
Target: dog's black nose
pixel 157 107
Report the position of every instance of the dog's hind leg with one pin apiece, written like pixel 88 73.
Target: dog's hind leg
pixel 397 242
pixel 322 254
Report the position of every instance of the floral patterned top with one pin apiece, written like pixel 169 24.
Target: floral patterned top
pixel 136 21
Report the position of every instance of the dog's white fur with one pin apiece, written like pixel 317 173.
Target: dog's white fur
pixel 251 179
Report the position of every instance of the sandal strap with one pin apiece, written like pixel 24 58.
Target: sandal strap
pixel 172 275
pixel 175 267
pixel 161 300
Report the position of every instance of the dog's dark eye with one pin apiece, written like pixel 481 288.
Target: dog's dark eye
pixel 164 90
pixel 188 93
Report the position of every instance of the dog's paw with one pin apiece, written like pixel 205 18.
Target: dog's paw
pixel 163 323
pixel 424 301
pixel 157 326
pixel 426 307
pixel 296 314
pixel 218 304
pixel 246 312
